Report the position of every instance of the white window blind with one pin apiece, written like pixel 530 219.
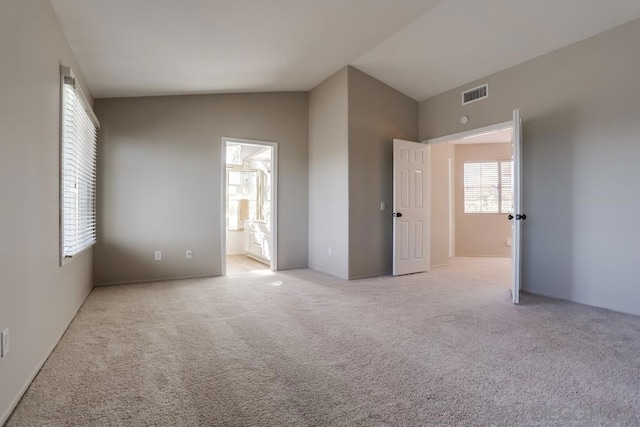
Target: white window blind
pixel 78 172
pixel 488 187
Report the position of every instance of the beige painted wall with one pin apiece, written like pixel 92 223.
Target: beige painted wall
pixel 581 151
pixel 377 115
pixel 159 173
pixel 328 176
pixel 479 234
pixel 38 298
pixel 440 155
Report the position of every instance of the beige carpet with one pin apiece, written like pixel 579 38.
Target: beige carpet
pixel 237 264
pixel 302 348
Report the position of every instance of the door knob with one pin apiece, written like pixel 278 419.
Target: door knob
pixel 518 217
pixel 397 214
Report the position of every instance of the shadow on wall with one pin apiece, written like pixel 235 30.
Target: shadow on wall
pixel 548 152
pixel 129 261
pixel 136 264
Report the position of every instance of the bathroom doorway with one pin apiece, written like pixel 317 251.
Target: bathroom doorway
pixel 249 190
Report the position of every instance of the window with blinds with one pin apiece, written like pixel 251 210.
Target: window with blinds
pixel 78 171
pixel 488 187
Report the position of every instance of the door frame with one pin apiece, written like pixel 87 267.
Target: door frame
pixel 457 136
pixel 274 199
pixel 471 132
pixel 454 137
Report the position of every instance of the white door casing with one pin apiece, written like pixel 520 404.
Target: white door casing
pixel 274 200
pixel 518 217
pixel 411 207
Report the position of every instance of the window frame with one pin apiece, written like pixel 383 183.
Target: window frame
pixel 67 78
pixel 498 163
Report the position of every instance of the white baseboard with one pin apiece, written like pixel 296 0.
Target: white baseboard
pixel 168 279
pixel 368 276
pixel 162 279
pixel 441 265
pixel 481 256
pixel 9 411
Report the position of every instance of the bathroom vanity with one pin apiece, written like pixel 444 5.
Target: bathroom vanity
pixel 257 240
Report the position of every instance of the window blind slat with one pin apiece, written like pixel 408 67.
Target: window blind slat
pixel 488 187
pixel 78 185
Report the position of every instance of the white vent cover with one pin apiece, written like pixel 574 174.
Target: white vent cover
pixel 475 94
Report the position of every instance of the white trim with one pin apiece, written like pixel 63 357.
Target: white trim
pixel 223 207
pixel 429 211
pixel 447 264
pixel 467 133
pixel 452 211
pixel 67 72
pixel 162 279
pixel 483 256
pixel 61 258
pixel 274 199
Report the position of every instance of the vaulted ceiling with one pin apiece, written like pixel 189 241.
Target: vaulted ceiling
pixel 420 47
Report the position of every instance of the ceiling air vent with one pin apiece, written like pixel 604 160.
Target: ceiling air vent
pixel 475 94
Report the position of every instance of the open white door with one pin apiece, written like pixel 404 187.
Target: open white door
pixel 518 216
pixel 411 207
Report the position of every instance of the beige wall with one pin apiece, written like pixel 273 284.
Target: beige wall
pixel 353 119
pixel 328 176
pixel 159 173
pixel 440 222
pixel 38 298
pixel 377 115
pixel 580 107
pixel 479 234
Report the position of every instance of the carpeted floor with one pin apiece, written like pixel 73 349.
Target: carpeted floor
pixel 237 264
pixel 302 348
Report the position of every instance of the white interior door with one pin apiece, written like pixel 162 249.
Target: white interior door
pixel 411 207
pixel 518 216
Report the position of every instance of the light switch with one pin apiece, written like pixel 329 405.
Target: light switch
pixel 383 206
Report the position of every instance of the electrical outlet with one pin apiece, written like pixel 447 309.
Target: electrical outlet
pixel 4 350
pixel 158 255
pixel 189 254
pixel 508 241
pixel 329 251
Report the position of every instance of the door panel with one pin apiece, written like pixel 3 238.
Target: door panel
pixel 411 207
pixel 418 179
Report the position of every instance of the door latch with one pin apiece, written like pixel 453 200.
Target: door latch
pixel 519 217
pixel 397 214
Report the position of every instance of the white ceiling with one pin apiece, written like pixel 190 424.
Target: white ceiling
pixel 420 47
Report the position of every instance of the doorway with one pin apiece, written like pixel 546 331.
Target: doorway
pixel 249 206
pixel 473 198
